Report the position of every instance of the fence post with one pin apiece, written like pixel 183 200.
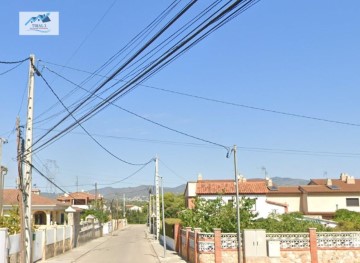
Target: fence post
pixel 3 245
pixel 217 245
pixel 177 237
pixel 197 231
pixel 188 229
pixel 313 245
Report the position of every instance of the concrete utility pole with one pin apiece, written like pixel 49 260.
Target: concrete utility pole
pixel 149 212
pixel 163 215
pixel 2 173
pixel 237 205
pixel 157 197
pixel 28 162
pixel 96 194
pixel 20 152
pixel 124 212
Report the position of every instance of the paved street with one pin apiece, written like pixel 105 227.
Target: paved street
pixel 130 245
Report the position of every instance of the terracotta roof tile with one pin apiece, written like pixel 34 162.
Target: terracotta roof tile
pixel 228 187
pixel 76 195
pixel 286 190
pixel 11 197
pixel 319 185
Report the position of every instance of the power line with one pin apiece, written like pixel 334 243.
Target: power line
pixel 46 178
pixel 218 18
pixel 171 170
pixel 147 119
pixel 14 62
pixel 83 128
pixel 9 70
pixel 158 34
pixel 225 102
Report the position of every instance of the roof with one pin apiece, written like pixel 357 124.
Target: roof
pixel 286 190
pixel 319 186
pixel 76 195
pixel 12 197
pixel 204 187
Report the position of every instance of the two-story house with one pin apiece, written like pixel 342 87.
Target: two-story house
pixel 255 189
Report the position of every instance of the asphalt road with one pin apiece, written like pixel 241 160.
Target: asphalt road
pixel 127 246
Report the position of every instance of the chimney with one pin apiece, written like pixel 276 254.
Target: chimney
pixel 241 178
pixel 269 182
pixel 343 176
pixel 200 177
pixel 350 180
pixel 35 191
pixel 328 182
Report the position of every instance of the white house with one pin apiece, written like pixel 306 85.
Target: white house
pixel 254 189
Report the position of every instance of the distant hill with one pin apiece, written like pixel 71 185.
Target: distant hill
pixel 142 192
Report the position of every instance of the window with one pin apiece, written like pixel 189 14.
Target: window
pixel 352 201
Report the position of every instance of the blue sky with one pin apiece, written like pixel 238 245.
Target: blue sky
pixel 298 57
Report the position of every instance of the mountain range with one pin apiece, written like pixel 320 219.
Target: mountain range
pixel 142 192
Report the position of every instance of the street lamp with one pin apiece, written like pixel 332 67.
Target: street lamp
pixel 237 202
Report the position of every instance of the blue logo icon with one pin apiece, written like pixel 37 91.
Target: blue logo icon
pixel 43 18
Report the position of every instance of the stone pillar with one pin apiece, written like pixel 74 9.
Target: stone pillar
pixel 188 229
pixel 313 245
pixel 217 244
pixel 48 218
pixel 197 231
pixel 74 222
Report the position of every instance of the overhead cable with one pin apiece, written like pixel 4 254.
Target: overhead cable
pixel 83 128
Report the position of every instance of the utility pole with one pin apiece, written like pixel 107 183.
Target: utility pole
pixel 124 212
pixel 20 152
pixel 237 204
pixel 96 194
pixel 2 173
pixel 163 215
pixel 157 197
pixel 149 212
pixel 28 163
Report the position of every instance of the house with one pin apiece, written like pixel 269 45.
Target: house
pixel 255 189
pixel 45 211
pixel 79 199
pixel 134 208
pixel 324 196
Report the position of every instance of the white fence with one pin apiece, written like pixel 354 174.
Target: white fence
pixel 51 241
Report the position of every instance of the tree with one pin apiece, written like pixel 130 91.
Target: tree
pixel 209 214
pixel 97 211
pixel 173 204
pixel 347 220
pixel 11 221
pixel 291 222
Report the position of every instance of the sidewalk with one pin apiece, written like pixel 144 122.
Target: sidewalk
pixel 170 255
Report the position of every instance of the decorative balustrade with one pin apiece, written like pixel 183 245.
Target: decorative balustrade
pixel 229 241
pixel 290 240
pixel 206 246
pixel 206 236
pixel 338 239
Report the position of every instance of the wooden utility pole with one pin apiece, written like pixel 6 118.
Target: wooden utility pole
pixel 27 182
